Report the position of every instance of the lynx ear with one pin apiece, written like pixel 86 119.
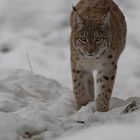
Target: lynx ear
pixel 78 22
pixel 106 18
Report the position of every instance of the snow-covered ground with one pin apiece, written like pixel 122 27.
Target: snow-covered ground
pixel 34 55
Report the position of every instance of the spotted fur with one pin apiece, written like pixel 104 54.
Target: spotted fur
pixel 98 34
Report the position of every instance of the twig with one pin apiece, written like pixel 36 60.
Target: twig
pixel 29 62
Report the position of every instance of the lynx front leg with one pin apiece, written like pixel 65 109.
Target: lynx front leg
pixel 105 82
pixel 83 86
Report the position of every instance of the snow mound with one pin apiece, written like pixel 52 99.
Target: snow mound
pixel 31 104
pixel 33 107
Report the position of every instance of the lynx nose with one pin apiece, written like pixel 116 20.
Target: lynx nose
pixel 90 49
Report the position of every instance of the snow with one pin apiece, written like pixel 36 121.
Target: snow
pixel 36 100
pixel 34 107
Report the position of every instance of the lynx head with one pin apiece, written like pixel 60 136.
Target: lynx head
pixel 89 37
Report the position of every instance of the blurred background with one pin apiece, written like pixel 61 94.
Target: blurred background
pixel 37 32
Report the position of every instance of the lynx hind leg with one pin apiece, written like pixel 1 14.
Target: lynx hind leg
pixel 105 82
pixel 83 87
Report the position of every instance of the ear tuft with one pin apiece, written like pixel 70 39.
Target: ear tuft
pixel 74 9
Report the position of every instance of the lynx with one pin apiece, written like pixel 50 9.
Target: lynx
pixel 98 36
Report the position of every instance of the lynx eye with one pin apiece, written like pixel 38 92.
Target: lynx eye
pixel 83 40
pixel 98 40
